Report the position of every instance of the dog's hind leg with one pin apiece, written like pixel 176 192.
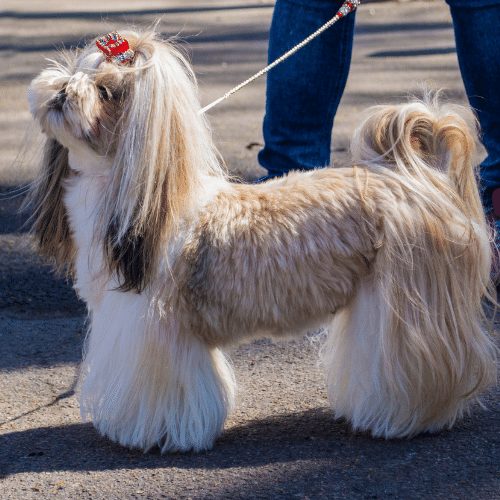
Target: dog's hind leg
pixel 410 353
pixel 146 384
pixel 412 350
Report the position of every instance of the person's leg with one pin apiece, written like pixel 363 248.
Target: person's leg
pixel 477 34
pixel 303 93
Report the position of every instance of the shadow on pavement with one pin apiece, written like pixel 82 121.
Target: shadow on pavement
pixel 28 343
pixel 414 52
pixel 260 33
pixel 48 44
pixel 12 14
pixel 28 287
pixel 12 221
pixel 313 435
pixel 41 319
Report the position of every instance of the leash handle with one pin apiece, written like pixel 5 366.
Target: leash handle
pixel 347 7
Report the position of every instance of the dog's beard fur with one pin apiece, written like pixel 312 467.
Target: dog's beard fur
pixel 175 262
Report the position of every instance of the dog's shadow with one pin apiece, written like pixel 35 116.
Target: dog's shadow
pixel 78 447
pixel 308 435
pixel 305 452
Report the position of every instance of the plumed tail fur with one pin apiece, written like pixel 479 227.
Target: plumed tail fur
pixel 411 351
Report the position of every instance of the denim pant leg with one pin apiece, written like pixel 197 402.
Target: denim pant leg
pixel 477 34
pixel 303 93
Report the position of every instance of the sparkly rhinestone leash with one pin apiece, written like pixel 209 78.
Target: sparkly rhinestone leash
pixel 346 8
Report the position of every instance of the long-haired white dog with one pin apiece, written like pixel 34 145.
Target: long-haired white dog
pixel 175 262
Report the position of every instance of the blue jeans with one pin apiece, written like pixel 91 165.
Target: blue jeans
pixel 304 92
pixel 477 35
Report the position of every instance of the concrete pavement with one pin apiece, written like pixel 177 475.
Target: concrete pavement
pixel 281 442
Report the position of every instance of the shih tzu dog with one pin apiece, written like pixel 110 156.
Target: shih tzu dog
pixel 175 262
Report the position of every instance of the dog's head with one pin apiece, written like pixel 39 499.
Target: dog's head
pixel 90 100
pixel 135 122
pixel 81 102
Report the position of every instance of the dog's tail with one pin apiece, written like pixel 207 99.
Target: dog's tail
pixel 425 141
pixel 411 351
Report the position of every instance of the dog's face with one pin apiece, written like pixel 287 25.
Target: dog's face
pixel 135 125
pixel 80 103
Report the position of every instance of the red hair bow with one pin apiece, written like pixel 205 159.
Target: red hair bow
pixel 115 48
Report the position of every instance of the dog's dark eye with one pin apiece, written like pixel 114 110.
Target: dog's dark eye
pixel 104 93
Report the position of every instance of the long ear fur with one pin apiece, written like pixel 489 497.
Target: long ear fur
pixel 164 149
pixel 49 220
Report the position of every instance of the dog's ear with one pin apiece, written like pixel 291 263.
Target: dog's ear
pixel 49 219
pixel 154 168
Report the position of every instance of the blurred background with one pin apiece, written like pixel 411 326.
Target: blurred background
pixel 398 46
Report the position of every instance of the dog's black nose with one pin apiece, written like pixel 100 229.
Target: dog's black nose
pixel 59 100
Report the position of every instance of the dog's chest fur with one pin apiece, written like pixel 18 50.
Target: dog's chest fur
pixel 82 201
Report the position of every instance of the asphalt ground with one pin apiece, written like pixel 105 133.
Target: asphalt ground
pixel 282 441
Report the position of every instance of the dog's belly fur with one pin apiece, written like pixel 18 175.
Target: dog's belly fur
pixel 275 258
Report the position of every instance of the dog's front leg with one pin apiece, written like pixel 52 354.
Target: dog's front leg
pixel 148 383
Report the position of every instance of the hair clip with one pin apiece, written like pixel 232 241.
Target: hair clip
pixel 115 48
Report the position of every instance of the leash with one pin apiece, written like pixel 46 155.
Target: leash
pixel 347 7
pixel 117 49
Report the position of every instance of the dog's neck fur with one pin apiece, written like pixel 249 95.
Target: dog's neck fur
pixel 84 194
pixel 84 161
